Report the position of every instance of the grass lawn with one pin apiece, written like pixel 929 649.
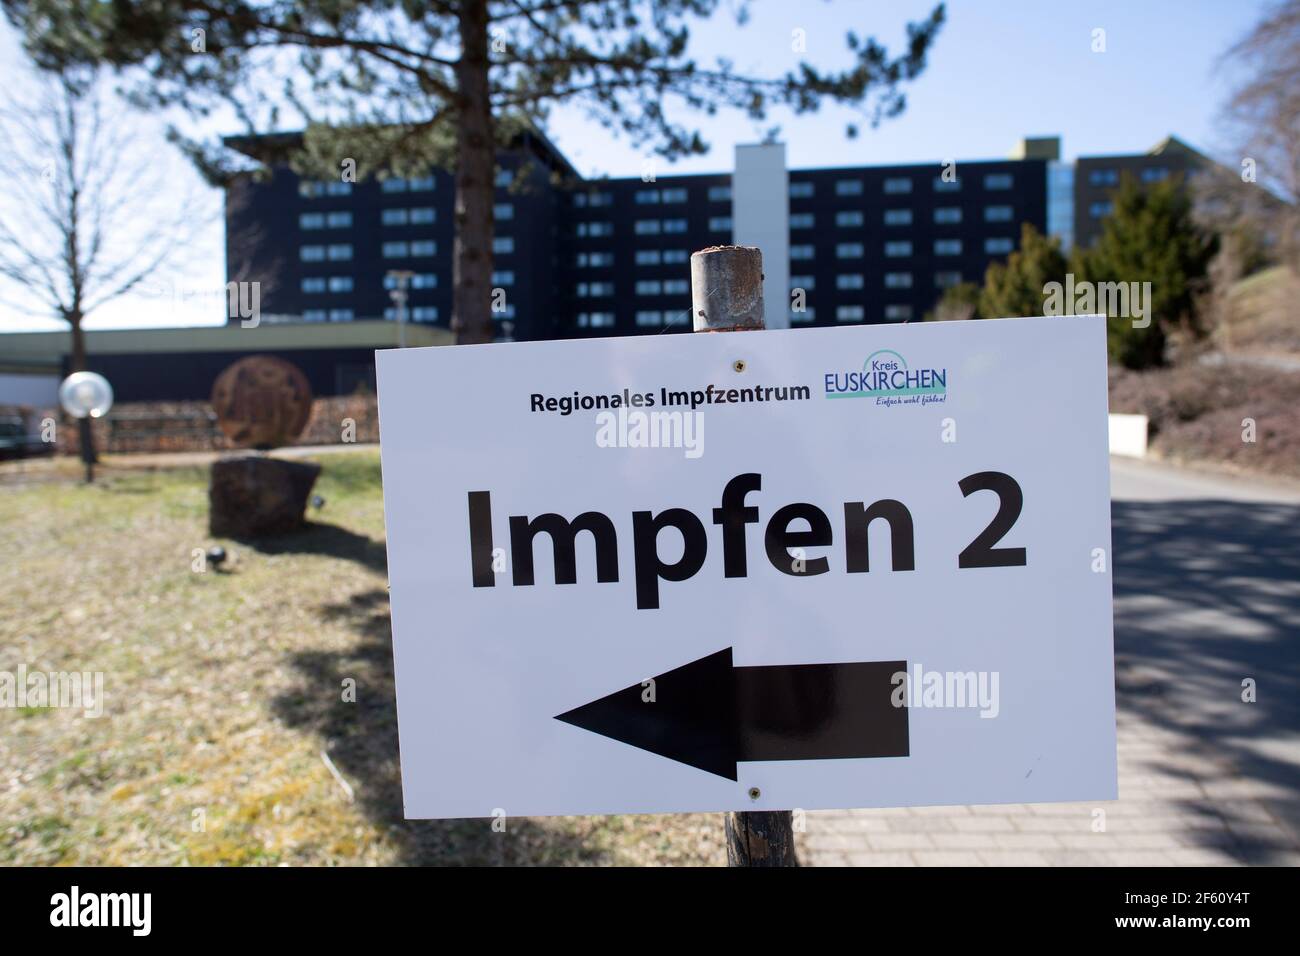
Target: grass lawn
pixel 223 689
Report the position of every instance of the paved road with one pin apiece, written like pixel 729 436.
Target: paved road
pixel 1207 593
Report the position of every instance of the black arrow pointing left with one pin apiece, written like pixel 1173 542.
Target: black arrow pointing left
pixel 710 715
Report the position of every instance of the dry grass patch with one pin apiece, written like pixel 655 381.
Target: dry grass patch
pixel 222 690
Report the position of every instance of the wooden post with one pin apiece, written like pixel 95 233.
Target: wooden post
pixel 727 296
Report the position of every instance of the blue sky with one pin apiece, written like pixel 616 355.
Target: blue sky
pixel 1000 70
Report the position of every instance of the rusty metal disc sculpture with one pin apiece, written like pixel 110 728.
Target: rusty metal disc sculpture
pixel 262 402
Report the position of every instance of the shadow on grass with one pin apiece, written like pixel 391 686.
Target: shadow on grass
pixel 362 742
pixel 325 539
pixel 1207 594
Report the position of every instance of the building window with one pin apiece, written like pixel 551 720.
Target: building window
pixel 898 313
pixel 654 257
pixel 946 280
pixel 392 185
pixel 423 215
pixel 801 252
pixel 650 317
pixel 942 185
pixel 422 184
pixel 848 187
pixel 505 277
pixel 340 252
pixel 649 287
pixel 1103 177
pixel 311 253
pixel 595 320
pixel 647 227
pixel 314 315
pixel 424 280
pixel 850 313
pixel 719 194
pixel 424 247
pixel 338 220
pixel 646 197
pixel 720 224
pixel 1155 174
pixel 850 280
pixel 803 282
pixel 802 220
pixel 995 181
pixel 673 195
pixel 595 260
pixel 998 247
pixel 897 185
pixel 311 220
pixel 586 229
pixel 898 248
pixel 674 225
pixel 395 217
pixel 337 187
pixel 998 213
pixel 504 211
pixel 1099 209
pixel 313 284
pixel 801 189
pixel 947 247
pixel 592 200
pixel 340 283
pixel 849 250
pixel 341 315
pixel 419 313
pixel 676 286
pixel 395 250
pixel 807 315
pixel 898 280
pixel 947 215
pixel 503 245
pixel 587 290
pixel 898 217
pixel 308 189
pixel 849 218
pixel 503 178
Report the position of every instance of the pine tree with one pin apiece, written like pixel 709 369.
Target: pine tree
pixel 1150 237
pixel 1017 288
pixel 403 85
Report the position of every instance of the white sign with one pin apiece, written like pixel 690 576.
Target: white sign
pixel 843 567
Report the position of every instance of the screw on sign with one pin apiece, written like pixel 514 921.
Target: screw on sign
pixel 727 296
pixel 262 402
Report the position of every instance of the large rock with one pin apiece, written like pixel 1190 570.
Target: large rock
pixel 251 496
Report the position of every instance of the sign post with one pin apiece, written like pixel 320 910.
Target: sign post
pixel 727 296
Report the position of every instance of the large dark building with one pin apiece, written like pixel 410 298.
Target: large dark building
pixel 1097 177
pixel 610 256
pixel 581 257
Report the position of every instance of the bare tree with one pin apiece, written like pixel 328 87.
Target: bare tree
pixel 1264 115
pixel 85 219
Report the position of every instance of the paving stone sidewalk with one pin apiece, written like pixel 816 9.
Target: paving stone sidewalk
pixel 1207 594
pixel 1176 808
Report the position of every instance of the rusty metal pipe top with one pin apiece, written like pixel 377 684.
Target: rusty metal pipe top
pixel 727 289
